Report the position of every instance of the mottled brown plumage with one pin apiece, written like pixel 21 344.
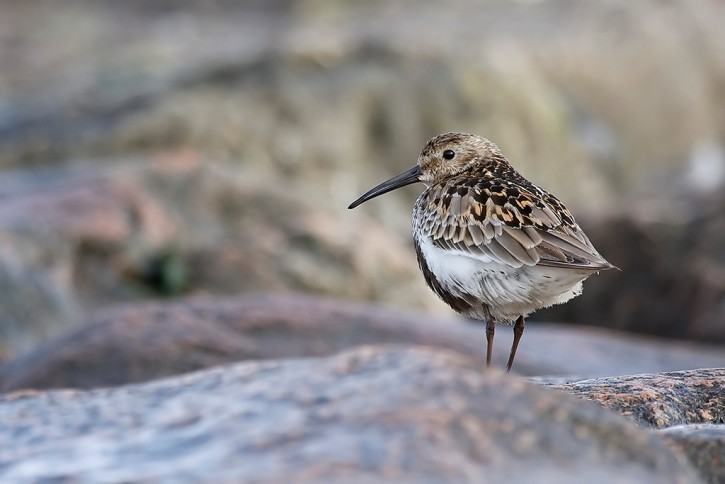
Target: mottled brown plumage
pixel 488 207
pixel 491 244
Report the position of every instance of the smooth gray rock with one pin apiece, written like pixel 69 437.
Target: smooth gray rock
pixel 146 341
pixel 369 415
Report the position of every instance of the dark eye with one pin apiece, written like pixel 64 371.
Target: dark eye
pixel 449 154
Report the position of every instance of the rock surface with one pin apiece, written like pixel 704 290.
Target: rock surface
pixel 704 445
pixel 195 148
pixel 143 342
pixel 392 413
pixel 82 238
pixel 660 400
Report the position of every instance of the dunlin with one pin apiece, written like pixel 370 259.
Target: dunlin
pixel 491 244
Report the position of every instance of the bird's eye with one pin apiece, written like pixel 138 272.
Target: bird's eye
pixel 449 154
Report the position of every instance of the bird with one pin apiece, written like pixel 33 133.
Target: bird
pixel 491 244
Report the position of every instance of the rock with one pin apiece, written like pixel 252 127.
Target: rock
pixel 659 400
pixel 687 408
pixel 54 225
pixel 81 238
pixel 372 414
pixel 704 445
pixel 146 341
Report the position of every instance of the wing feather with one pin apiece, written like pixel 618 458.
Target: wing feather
pixel 515 226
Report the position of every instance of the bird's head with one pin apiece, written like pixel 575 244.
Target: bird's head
pixel 444 156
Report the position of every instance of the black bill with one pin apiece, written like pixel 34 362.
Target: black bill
pixel 410 176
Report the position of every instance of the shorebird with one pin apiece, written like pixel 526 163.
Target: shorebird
pixel 491 244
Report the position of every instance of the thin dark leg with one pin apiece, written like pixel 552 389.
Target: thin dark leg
pixel 490 329
pixel 518 331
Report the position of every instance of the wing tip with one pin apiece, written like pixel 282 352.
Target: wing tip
pixel 580 265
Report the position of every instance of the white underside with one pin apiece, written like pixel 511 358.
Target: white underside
pixel 505 292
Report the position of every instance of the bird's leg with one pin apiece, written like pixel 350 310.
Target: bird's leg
pixel 490 329
pixel 518 331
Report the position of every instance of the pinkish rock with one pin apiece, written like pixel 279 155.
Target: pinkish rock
pixel 146 341
pixel 368 415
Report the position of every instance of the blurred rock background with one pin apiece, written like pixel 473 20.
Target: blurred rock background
pixel 160 149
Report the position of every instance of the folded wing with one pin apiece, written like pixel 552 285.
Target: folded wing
pixel 510 224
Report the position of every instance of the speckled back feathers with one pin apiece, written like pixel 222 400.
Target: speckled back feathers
pixel 476 202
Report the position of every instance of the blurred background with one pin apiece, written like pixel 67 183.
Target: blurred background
pixel 159 149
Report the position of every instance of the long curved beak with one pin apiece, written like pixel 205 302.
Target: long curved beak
pixel 410 176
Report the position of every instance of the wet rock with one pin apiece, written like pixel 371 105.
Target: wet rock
pixel 375 413
pixel 146 341
pixel 704 445
pixel 659 400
